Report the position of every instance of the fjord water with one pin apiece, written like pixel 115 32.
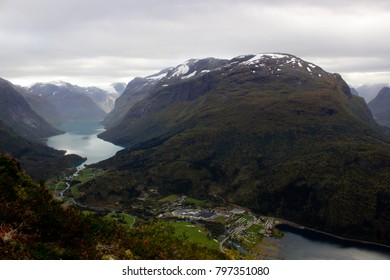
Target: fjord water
pixel 81 138
pixel 303 244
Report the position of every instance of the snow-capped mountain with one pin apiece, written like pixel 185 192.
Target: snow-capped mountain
pixel 266 65
pixel 74 102
pixel 270 132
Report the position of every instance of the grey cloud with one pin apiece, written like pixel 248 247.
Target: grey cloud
pixel 109 40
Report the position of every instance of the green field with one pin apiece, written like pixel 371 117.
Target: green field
pixel 84 176
pixel 220 219
pixel 247 217
pixel 168 198
pixel 122 218
pixel 75 191
pixel 58 186
pixel 195 234
pixel 254 228
pixel 87 174
pixel 198 203
pixel 251 238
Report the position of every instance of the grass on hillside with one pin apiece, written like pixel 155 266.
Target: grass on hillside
pixel 252 237
pixel 168 198
pixel 87 174
pixel 84 176
pixel 198 203
pixel 255 228
pixel 220 219
pixel 56 186
pixel 195 233
pixel 122 218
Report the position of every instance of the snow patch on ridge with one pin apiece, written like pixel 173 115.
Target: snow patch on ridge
pixel 181 70
pixel 156 77
pixel 295 61
pixel 259 57
pixel 189 75
pixel 58 83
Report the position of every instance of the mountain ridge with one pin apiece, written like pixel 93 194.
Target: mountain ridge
pixel 38 160
pixel 380 107
pixel 72 104
pixel 271 131
pixel 169 82
pixel 18 114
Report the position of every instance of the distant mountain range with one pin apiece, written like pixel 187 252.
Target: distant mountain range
pixel 17 113
pixel 369 91
pixel 25 114
pixel 74 103
pixel 271 132
pixel 21 131
pixel 380 107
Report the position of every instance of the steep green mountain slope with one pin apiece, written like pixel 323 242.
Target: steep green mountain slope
pixel 270 132
pixel 141 88
pixel 39 161
pixel 36 226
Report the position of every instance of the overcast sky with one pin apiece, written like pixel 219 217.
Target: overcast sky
pixel 92 42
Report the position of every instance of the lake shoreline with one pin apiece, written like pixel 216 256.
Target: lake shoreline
pixel 81 138
pixel 303 228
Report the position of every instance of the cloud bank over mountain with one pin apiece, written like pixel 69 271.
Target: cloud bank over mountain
pixel 89 42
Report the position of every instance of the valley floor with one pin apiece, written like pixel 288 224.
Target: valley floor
pixel 224 227
pixel 231 229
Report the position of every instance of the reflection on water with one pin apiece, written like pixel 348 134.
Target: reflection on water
pixel 81 139
pixel 308 245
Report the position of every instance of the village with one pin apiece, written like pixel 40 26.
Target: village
pixel 221 226
pixel 243 230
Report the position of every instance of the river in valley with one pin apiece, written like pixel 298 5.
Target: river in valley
pixel 81 138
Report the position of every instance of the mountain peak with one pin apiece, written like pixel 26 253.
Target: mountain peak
pixel 194 67
pixel 57 83
pixel 270 132
pixel 384 92
pixel 281 60
pixel 274 62
pixel 259 68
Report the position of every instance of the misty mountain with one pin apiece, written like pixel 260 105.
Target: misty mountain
pixel 354 91
pixel 369 91
pixel 41 106
pixel 380 107
pixel 17 114
pixel 119 88
pixel 75 103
